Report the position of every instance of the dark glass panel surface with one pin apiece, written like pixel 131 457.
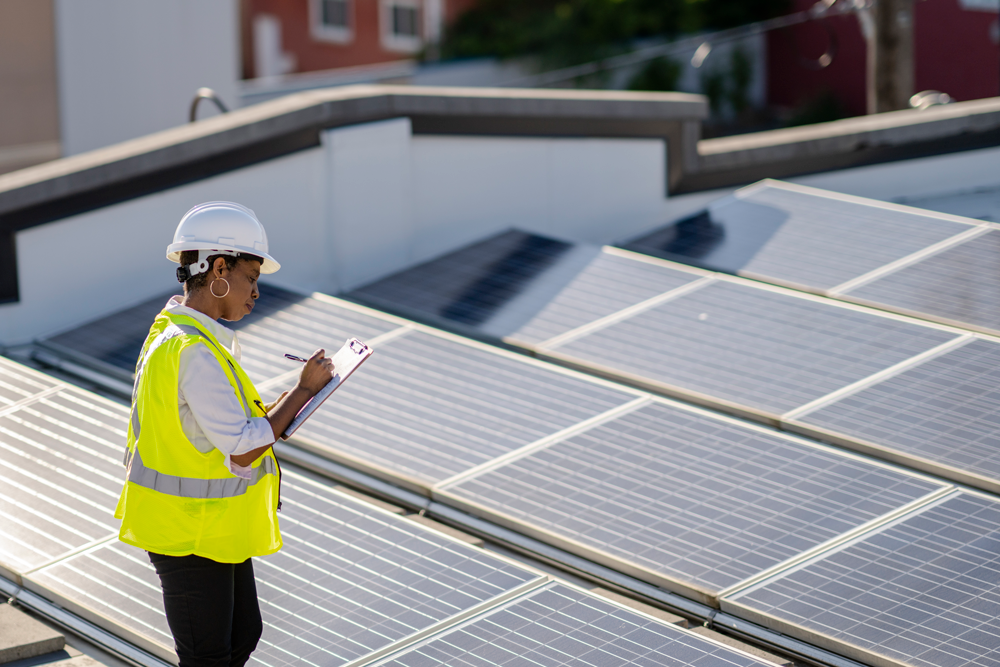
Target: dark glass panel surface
pixel 691 497
pixel 559 626
pixel 794 236
pixel 922 592
pixel 946 410
pixel 961 284
pixel 522 287
pixel 766 350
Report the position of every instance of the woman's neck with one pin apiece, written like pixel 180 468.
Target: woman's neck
pixel 203 302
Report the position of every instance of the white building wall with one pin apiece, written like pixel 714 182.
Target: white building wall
pixel 127 68
pixel 371 201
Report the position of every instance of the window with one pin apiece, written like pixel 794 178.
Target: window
pixel 404 21
pixel 333 14
pixel 401 25
pixel 331 20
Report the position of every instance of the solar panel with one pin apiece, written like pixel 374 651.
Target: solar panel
pixel 114 586
pixel 960 284
pixel 945 411
pixel 18 383
pixel 281 322
pixel 429 407
pixel 350 579
pixel 759 348
pixel 559 626
pixel 523 287
pixel 923 591
pixel 686 499
pixel 796 235
pixel 60 476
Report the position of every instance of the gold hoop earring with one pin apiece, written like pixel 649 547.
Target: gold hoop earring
pixel 211 288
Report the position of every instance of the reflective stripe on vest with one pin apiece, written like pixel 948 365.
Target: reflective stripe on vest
pixel 192 487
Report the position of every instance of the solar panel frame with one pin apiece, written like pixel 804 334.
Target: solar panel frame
pixel 310 439
pixel 800 422
pixel 445 579
pixel 866 556
pixel 897 290
pixel 20 384
pixel 688 301
pixel 618 635
pixel 144 594
pixel 68 471
pixel 591 277
pixel 800 199
pixel 447 494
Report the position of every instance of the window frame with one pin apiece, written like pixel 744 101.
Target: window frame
pixel 402 43
pixel 328 33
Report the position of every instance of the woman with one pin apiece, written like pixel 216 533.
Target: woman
pixel 203 487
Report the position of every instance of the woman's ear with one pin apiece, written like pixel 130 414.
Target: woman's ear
pixel 219 266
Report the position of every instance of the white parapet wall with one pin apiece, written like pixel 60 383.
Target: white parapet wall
pixel 371 200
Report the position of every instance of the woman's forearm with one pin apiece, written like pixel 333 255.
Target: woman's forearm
pixel 279 417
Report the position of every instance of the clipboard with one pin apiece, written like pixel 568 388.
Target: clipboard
pixel 345 361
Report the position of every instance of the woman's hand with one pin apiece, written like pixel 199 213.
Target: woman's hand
pixel 270 406
pixel 316 373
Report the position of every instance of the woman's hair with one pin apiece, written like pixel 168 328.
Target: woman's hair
pixel 200 280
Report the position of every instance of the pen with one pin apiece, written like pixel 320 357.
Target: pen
pixel 294 358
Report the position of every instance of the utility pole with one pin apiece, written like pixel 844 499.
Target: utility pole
pixel 887 26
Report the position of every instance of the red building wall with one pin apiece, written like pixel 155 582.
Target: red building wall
pixel 953 53
pixel 312 54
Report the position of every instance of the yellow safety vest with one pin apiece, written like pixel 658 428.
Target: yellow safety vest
pixel 178 500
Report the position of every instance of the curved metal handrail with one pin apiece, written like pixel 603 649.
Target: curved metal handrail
pixel 205 94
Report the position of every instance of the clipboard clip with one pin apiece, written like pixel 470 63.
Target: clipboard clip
pixel 357 347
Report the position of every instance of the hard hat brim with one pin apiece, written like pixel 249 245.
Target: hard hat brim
pixel 174 250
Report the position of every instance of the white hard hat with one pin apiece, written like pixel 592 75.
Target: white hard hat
pixel 220 228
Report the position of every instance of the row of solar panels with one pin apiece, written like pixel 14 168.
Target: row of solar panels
pixel 897 388
pixel 688 500
pixel 353 585
pixel 908 260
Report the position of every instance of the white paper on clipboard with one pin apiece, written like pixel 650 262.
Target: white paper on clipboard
pixel 345 362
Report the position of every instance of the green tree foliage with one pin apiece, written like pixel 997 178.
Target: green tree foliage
pixel 657 74
pixel 565 32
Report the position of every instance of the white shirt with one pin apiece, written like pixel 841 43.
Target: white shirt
pixel 210 411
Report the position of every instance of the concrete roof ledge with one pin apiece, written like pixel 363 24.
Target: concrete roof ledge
pixel 293 122
pixel 896 128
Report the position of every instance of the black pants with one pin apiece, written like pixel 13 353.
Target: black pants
pixel 211 609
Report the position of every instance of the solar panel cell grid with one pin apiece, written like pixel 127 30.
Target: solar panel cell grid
pixel 766 350
pixel 60 476
pixel 117 582
pixel 351 580
pixel 300 326
pixel 524 287
pixel 797 237
pixel 826 241
pixel 690 497
pixel 18 383
pixel 430 407
pixel 923 591
pixel 960 284
pixel 944 410
pixel 561 627
pixel 606 285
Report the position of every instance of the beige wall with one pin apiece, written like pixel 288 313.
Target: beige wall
pixel 29 116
